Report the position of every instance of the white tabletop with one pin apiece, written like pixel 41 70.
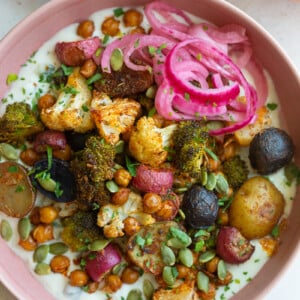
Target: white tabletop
pixel 279 17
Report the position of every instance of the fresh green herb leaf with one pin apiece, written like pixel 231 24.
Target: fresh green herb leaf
pixel 67 70
pixel 20 188
pixel 152 112
pixel 13 169
pixel 140 241
pixel 275 231
pixel 85 108
pixel 118 12
pixel 11 78
pixel 131 166
pixel 94 78
pixel 70 90
pixel 272 106
pixel 49 157
pixel 58 191
pixel 105 39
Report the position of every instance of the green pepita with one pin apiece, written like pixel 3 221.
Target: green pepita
pixel 148 289
pixel 202 282
pixel 98 245
pixel 175 243
pixel 211 181
pixel 116 270
pixel 169 275
pixel 180 235
pixel 186 257
pixel 8 151
pixel 116 59
pixel 58 248
pixel 167 255
pixel 6 230
pixel 221 270
pixel 203 177
pixel 40 253
pixel 24 228
pixel 151 91
pixel 134 295
pixel 112 186
pixel 222 184
pixel 207 256
pixel 42 269
pixel 47 183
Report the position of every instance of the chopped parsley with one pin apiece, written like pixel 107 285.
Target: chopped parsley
pixel 118 12
pixel 272 106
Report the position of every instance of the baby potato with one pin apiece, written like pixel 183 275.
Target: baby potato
pixel 256 208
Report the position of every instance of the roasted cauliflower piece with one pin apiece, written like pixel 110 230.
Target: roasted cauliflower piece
pixel 183 291
pixel 113 117
pixel 72 108
pixel 148 143
pixel 111 216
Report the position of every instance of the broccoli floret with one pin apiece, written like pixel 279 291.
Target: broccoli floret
pixel 92 167
pixel 236 171
pixel 18 123
pixel 191 141
pixel 80 229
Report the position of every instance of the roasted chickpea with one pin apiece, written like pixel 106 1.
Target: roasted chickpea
pixel 183 271
pixel 29 156
pixel 131 226
pixel 48 214
pixel 63 154
pixel 35 216
pixel 225 281
pixel 122 177
pixel 121 196
pixel 29 244
pixel 86 28
pixel 211 293
pixel 138 29
pixel 60 264
pixel 132 18
pixel 129 275
pixel 110 26
pixel 46 101
pixel 166 211
pixel 92 287
pixel 43 233
pixel 212 265
pixel 88 69
pixel 113 282
pixel 78 278
pixel 151 203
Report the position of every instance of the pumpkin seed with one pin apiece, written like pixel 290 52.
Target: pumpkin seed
pixel 207 256
pixel 167 255
pixel 151 91
pixel 119 267
pixel 116 59
pixel 180 235
pixel 148 289
pixel 98 245
pixel 202 282
pixel 24 228
pixel 42 269
pixel 58 248
pixel 221 270
pixel 175 243
pixel 203 177
pixel 222 184
pixel 40 253
pixel 47 183
pixel 211 181
pixel 6 230
pixel 112 186
pixel 186 257
pixel 8 151
pixel 134 295
pixel 169 275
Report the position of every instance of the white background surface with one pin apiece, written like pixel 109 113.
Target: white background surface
pixel 280 17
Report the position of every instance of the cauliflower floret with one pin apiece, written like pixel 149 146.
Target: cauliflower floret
pixel 113 117
pixel 147 142
pixel 184 291
pixel 71 110
pixel 111 216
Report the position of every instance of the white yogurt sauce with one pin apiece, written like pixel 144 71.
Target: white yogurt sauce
pixel 28 88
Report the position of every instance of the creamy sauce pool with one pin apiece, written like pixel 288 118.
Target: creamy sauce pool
pixel 28 88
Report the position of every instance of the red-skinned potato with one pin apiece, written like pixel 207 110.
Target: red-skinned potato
pixel 75 53
pixel 101 262
pixel 232 247
pixel 153 180
pixel 52 138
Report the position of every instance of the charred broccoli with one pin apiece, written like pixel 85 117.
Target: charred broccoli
pixel 235 171
pixel 191 141
pixel 18 123
pixel 92 167
pixel 80 229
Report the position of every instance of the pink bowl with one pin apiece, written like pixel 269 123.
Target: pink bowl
pixel 25 38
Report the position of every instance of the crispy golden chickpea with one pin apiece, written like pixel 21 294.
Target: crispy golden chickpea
pixel 113 282
pixel 48 214
pixel 29 244
pixel 46 101
pixel 88 69
pixel 130 275
pixel 122 177
pixel 63 154
pixel 132 18
pixel 183 271
pixel 29 156
pixel 121 196
pixel 212 265
pixel 110 26
pixel 151 203
pixel 166 211
pixel 78 278
pixel 92 287
pixel 35 216
pixel 43 233
pixel 60 264
pixel 131 226
pixel 86 28
pixel 138 29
